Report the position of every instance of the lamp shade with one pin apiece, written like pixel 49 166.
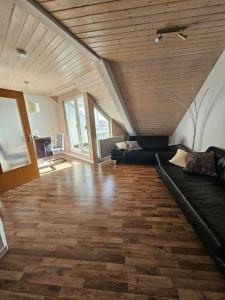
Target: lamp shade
pixel 34 107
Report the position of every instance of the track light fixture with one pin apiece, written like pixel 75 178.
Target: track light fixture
pixel 158 38
pixel 179 29
pixel 182 35
pixel 21 53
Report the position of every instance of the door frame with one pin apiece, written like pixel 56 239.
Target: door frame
pixel 21 175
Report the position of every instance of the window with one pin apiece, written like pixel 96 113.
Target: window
pixel 102 125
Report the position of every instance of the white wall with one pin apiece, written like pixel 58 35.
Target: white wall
pixel 211 122
pixel 45 122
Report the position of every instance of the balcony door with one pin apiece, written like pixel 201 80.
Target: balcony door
pixel 77 125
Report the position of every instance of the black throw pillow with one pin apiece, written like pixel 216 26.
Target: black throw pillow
pixel 201 163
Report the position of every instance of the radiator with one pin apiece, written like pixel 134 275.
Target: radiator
pixel 105 146
pixel 3 243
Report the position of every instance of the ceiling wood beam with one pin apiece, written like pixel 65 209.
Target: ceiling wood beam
pixel 109 80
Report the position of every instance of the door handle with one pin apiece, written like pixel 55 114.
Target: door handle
pixel 28 137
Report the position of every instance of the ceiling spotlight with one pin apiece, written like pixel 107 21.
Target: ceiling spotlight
pixel 182 35
pixel 21 53
pixel 167 30
pixel 158 38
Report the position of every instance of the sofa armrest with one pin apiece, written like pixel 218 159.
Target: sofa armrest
pixel 116 152
pixel 163 158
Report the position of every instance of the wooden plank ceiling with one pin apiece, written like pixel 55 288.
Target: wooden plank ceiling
pixel 50 61
pixel 149 75
pixel 53 67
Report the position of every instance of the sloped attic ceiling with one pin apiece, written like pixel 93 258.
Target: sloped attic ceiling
pixel 52 62
pixel 149 75
pixel 53 66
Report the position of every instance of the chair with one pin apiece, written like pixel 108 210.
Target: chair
pixel 59 143
pixel 59 147
pixel 44 149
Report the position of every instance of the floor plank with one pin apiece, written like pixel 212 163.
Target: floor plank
pixel 102 232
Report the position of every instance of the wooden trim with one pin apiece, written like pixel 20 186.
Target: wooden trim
pixel 35 9
pixel 89 109
pixel 14 178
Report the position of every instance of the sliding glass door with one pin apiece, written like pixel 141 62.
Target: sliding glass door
pixel 77 125
pixel 72 125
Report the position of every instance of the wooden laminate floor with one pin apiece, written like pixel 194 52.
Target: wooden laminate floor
pixel 102 232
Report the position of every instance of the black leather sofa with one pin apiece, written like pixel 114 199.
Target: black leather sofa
pixel 202 200
pixel 150 144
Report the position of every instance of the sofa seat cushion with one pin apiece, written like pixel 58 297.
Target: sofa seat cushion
pixel 205 194
pixel 157 150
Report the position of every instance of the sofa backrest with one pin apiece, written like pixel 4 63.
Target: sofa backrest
pixel 151 142
pixel 220 161
pixel 219 152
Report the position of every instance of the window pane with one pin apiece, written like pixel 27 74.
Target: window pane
pixel 102 126
pixel 83 124
pixel 72 125
pixel 13 146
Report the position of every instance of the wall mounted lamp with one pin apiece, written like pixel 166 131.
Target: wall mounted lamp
pixel 34 107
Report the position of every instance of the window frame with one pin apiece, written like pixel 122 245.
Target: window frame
pixel 105 116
